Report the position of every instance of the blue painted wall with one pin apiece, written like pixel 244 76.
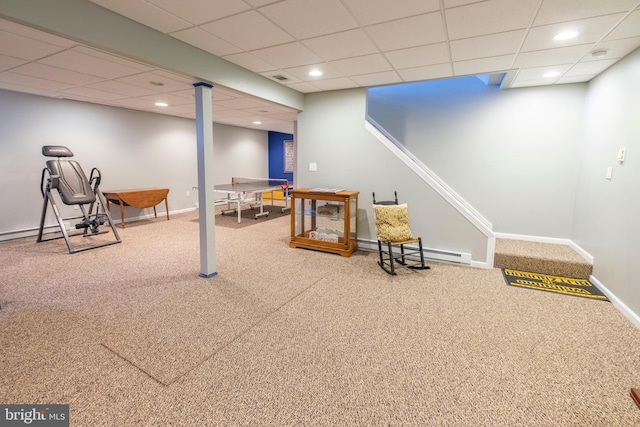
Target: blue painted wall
pixel 276 155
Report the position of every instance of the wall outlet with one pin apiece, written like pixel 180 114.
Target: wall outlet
pixel 188 193
pixel 313 167
pixel 621 153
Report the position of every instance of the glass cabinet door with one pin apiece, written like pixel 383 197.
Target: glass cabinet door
pixel 324 221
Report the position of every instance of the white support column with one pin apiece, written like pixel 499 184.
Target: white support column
pixel 206 202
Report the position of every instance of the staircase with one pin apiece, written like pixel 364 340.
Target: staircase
pixel 544 258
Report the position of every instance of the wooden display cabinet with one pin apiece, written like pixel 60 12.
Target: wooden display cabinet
pixel 324 221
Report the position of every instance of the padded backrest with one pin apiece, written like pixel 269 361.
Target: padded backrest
pixel 56 151
pixel 73 186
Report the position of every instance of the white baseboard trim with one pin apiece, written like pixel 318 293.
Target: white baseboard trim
pixel 619 305
pixel 541 239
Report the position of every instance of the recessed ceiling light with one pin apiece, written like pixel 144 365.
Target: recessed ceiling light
pixel 315 73
pixel 551 74
pixel 161 104
pixel 566 35
pixel 257 122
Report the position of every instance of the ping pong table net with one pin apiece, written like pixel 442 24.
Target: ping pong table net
pixel 271 182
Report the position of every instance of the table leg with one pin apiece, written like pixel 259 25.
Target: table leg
pixel 121 214
pixel 166 206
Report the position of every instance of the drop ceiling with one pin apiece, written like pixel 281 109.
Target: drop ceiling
pixel 355 43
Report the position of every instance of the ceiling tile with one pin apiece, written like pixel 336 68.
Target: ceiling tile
pixel 377 79
pixel 630 27
pixel 7 62
pixel 426 73
pixel 484 46
pixel 145 80
pixel 455 3
pixel 408 32
pixel 302 73
pixel 76 61
pixel 310 18
pixel 200 11
pixel 369 12
pixel 288 55
pixel 483 65
pixel 537 73
pixel 590 67
pixel 497 16
pixel 234 30
pixel 362 65
pixel 290 78
pixel 188 109
pixel 38 83
pixel 260 3
pixel 24 89
pixel 553 11
pixel 541 58
pixel 336 84
pixel 591 30
pixel 304 87
pixel 419 56
pixel 341 45
pixel 530 83
pixel 21 47
pixel 206 41
pixel 137 103
pixel 35 69
pixel 169 98
pixel 615 48
pixel 250 62
pixel 575 79
pixel 121 88
pixel 175 78
pixel 145 13
pixel 266 110
pixel 86 92
pixel 111 58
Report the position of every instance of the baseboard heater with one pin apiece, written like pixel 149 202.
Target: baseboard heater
pixel 433 254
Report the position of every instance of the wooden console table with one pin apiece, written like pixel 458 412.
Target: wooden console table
pixel 324 221
pixel 138 198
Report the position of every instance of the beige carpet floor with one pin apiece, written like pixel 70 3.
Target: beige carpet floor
pixel 129 335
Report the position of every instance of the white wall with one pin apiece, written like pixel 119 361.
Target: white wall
pixel 132 149
pixel 331 133
pixel 512 154
pixel 607 213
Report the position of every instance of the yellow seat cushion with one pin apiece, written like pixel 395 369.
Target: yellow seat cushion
pixel 392 223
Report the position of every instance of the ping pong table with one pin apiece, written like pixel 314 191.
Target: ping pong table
pixel 240 190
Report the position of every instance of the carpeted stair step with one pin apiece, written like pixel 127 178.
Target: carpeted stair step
pixel 545 258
